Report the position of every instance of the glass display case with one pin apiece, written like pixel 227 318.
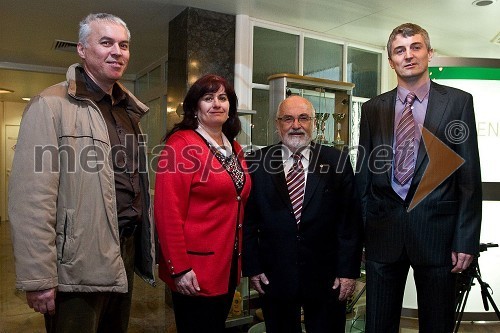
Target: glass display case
pixel 240 313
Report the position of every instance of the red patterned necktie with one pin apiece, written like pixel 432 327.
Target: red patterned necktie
pixel 296 180
pixel 404 163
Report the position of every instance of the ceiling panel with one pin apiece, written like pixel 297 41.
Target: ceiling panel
pixel 457 28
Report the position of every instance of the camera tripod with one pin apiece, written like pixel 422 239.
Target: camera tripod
pixel 465 282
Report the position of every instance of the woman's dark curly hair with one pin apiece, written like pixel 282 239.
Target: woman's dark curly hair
pixel 208 84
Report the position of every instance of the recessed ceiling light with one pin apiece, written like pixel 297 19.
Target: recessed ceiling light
pixel 5 91
pixel 27 99
pixel 482 3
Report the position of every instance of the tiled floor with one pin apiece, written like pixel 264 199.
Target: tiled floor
pixel 149 312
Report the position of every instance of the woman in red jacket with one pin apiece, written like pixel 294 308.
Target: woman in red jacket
pixel 202 185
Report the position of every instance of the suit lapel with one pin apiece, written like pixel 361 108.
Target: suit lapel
pixel 274 163
pixel 314 174
pixel 387 118
pixel 433 118
pixel 387 123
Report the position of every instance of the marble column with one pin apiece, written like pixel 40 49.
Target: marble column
pixel 199 42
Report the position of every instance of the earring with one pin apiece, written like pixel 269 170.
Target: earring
pixel 195 116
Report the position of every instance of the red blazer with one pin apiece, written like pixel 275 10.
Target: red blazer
pixel 198 213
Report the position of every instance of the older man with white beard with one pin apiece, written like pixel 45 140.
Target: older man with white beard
pixel 302 228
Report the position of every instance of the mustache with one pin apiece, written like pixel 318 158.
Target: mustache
pixel 296 132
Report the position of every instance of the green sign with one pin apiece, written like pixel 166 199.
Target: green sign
pixel 468 73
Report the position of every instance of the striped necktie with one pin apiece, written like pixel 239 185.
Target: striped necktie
pixel 404 163
pixel 296 180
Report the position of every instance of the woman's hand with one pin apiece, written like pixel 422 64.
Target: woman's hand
pixel 187 284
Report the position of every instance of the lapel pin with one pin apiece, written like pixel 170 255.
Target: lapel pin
pixel 323 168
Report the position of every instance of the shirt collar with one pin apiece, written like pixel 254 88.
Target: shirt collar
pixel 421 92
pixel 86 87
pixel 287 153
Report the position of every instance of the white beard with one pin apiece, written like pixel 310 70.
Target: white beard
pixel 296 142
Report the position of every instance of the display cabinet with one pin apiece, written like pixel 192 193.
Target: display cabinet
pixel 240 313
pixel 332 101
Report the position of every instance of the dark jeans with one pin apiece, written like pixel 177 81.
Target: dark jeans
pixel 95 312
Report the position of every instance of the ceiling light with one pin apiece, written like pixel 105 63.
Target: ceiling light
pixel 27 99
pixel 482 3
pixel 5 91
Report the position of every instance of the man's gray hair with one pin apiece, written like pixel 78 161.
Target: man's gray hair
pixel 85 30
pixel 408 30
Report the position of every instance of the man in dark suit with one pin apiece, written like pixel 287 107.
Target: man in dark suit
pixel 301 250
pixel 435 229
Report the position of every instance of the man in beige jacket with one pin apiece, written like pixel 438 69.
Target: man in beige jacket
pixel 79 205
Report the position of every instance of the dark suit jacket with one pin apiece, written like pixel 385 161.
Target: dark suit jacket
pixel 449 218
pixel 303 261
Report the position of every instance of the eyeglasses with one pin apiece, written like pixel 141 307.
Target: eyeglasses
pixel 303 119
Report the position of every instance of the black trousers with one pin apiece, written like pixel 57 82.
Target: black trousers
pixel 99 312
pixel 385 285
pixel 324 315
pixel 201 314
pixel 205 314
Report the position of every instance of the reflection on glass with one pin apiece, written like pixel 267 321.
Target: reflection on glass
pixel 324 104
pixel 244 138
pixel 363 69
pixel 321 119
pixel 322 59
pixel 260 103
pixel 338 121
pixel 274 52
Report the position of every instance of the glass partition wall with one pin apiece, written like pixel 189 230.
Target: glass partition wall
pixel 280 50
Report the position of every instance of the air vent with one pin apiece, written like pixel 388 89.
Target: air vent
pixel 496 39
pixel 62 45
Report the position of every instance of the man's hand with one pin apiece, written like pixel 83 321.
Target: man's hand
pixel 42 301
pixel 187 284
pixel 347 287
pixel 460 261
pixel 256 280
